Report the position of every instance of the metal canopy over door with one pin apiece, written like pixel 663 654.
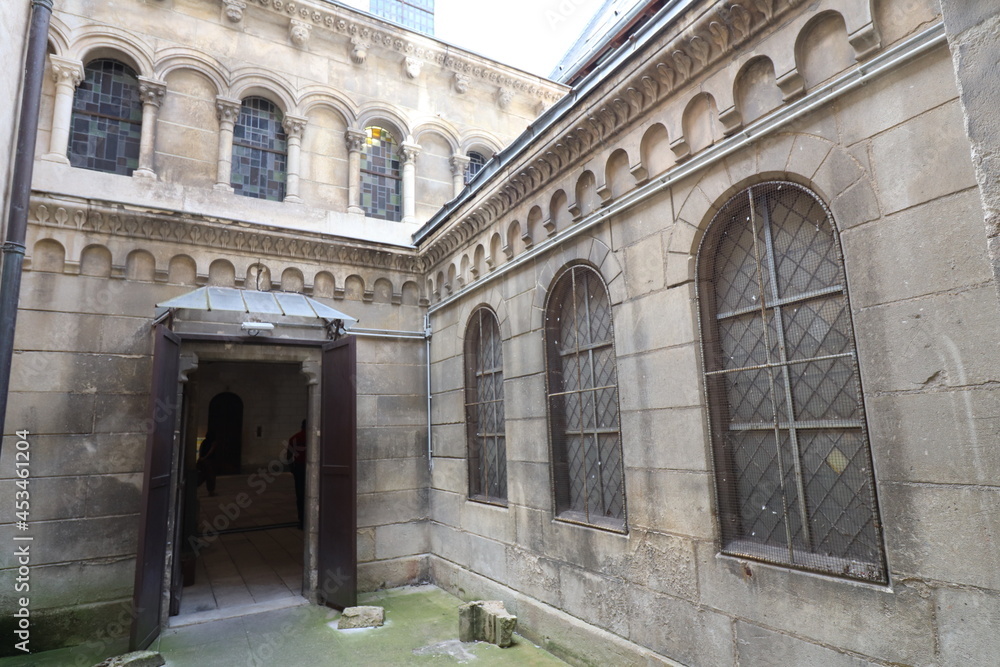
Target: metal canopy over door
pixel 337 478
pixel 151 557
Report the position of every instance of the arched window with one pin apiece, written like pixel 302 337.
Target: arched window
pixel 792 460
pixel 587 462
pixel 476 163
pixel 381 183
pixel 260 151
pixel 484 413
pixel 106 123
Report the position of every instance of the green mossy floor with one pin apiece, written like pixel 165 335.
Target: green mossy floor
pixel 421 629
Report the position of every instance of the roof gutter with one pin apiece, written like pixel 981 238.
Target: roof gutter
pixel 557 112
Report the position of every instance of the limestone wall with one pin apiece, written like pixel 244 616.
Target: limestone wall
pixel 14 17
pixel 891 159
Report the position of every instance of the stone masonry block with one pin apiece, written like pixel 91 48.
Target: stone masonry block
pixel 658 320
pixel 758 646
pixel 361 617
pixel 930 248
pixel 907 159
pixel 644 266
pixel 486 620
pixel 672 438
pixel 659 379
pixel 967 622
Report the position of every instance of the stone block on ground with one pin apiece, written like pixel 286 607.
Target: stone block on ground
pixel 486 620
pixel 361 617
pixel 134 659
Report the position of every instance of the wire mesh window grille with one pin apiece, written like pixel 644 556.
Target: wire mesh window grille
pixel 476 163
pixel 484 411
pixel 414 14
pixel 792 460
pixel 106 123
pixel 587 468
pixel 381 182
pixel 260 150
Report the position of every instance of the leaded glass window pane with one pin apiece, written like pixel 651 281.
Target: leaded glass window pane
pixel 793 463
pixel 588 470
pixel 476 163
pixel 260 151
pixel 381 182
pixel 106 124
pixel 484 412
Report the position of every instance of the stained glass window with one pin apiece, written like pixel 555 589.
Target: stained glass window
pixel 106 124
pixel 792 459
pixel 414 14
pixel 588 470
pixel 476 163
pixel 381 183
pixel 484 413
pixel 259 151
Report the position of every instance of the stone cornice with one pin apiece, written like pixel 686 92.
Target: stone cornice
pixel 662 69
pixel 369 31
pixel 98 217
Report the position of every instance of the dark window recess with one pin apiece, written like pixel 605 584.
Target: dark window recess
pixel 476 163
pixel 792 459
pixel 106 124
pixel 484 409
pixel 588 471
pixel 259 151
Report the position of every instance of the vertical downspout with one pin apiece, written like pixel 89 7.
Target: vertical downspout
pixel 427 352
pixel 20 192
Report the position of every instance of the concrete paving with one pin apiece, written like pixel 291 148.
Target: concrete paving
pixel 421 629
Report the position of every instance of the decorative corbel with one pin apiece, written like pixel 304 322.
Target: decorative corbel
pixel 299 31
pixel 234 10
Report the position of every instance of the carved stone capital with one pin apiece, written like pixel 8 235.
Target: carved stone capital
pixel 460 83
pixel 412 67
pixel 408 152
pixel 504 97
pixel 459 163
pixel 234 10
pixel 227 110
pixel 299 31
pixel 66 71
pixel 294 125
pixel 151 91
pixel 359 50
pixel 356 140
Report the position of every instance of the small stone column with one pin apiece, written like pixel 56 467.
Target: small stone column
pixel 408 155
pixel 294 126
pixel 459 165
pixel 228 112
pixel 67 74
pixel 356 141
pixel 151 93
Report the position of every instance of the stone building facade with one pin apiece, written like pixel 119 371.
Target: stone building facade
pixel 712 340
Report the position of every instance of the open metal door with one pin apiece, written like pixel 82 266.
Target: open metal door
pixel 151 557
pixel 338 563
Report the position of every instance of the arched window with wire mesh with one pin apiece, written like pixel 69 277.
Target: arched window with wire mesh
pixel 260 151
pixel 587 467
pixel 792 460
pixel 484 410
pixel 106 124
pixel 476 163
pixel 381 181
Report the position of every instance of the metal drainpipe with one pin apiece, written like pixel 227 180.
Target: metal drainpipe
pixel 430 397
pixel 20 191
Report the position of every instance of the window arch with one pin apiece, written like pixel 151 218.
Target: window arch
pixel 476 163
pixel 484 408
pixel 792 460
pixel 260 151
pixel 106 123
pixel 588 471
pixel 381 182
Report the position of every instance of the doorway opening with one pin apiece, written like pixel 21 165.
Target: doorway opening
pixel 241 540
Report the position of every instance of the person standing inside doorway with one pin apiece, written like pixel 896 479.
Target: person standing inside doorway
pixel 297 454
pixel 206 465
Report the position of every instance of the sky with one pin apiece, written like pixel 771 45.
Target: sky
pixel 531 35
